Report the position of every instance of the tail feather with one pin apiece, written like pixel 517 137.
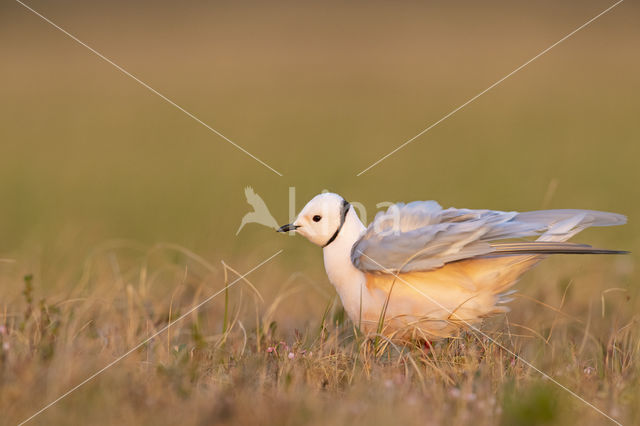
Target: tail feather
pixel 548 247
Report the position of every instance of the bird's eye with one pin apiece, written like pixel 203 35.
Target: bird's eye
pixel 317 218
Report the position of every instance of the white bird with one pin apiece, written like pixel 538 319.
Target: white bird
pixel 422 272
pixel 260 213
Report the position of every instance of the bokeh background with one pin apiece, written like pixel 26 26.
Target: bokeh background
pixel 90 160
pixel 319 92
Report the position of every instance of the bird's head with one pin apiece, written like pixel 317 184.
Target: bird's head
pixel 321 219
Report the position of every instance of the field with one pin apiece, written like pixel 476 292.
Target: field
pixel 119 213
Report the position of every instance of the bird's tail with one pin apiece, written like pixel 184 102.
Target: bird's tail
pixel 555 227
pixel 548 247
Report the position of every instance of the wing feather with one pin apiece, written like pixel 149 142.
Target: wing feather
pixel 421 236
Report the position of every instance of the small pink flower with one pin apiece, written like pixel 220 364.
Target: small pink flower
pixel 270 349
pixel 3 330
pixel 6 346
pixel 291 355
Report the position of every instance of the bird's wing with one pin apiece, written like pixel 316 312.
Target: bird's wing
pixel 421 236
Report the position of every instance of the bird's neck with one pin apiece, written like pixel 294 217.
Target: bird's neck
pixel 346 278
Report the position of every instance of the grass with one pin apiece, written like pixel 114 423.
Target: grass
pixel 232 362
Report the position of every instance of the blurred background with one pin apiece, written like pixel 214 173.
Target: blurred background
pixel 319 91
pixel 121 208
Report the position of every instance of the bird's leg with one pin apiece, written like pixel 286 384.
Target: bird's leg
pixel 428 346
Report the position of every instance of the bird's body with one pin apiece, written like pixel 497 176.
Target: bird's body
pixel 419 271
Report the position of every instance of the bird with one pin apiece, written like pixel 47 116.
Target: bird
pixel 260 213
pixel 419 271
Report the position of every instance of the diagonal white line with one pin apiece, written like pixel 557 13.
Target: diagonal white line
pixel 524 361
pixel 138 346
pixel 151 89
pixel 490 87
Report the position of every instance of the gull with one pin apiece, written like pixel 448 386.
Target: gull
pixel 419 271
pixel 260 213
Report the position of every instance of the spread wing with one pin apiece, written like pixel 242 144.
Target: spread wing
pixel 420 236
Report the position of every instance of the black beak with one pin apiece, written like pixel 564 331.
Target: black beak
pixel 288 227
